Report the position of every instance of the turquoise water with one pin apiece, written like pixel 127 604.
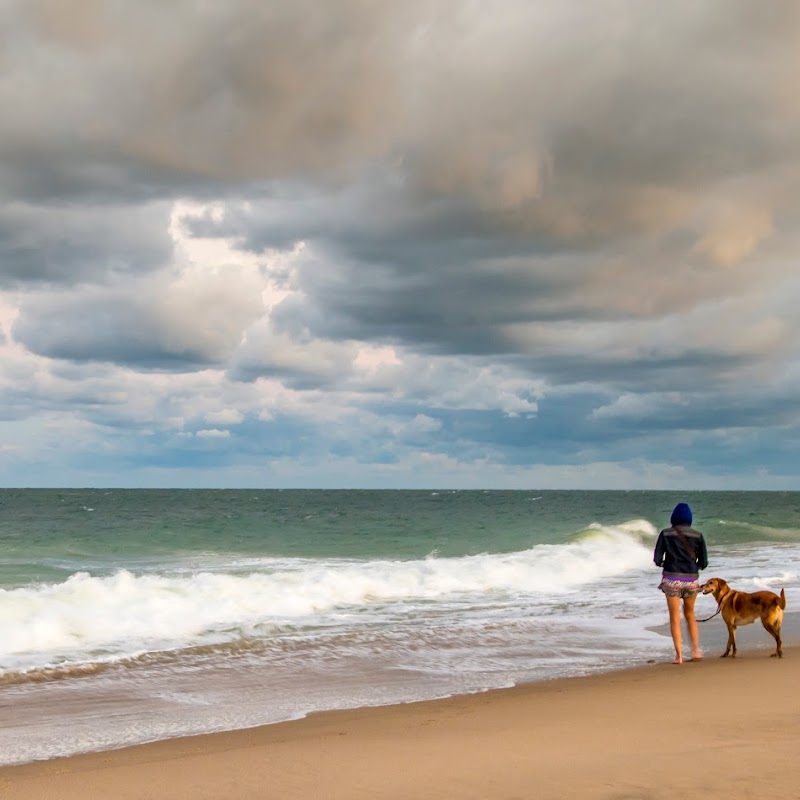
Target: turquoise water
pixel 145 614
pixel 46 534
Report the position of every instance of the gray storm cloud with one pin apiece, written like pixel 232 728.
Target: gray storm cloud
pixel 537 110
pixel 196 91
pixel 463 177
pixel 596 198
pixel 156 322
pixel 67 243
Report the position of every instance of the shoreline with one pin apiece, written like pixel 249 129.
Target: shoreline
pixel 37 726
pixel 606 735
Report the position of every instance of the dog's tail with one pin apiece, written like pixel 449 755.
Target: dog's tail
pixel 782 601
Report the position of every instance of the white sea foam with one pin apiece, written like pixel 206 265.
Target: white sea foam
pixel 96 617
pixel 185 646
pixel 599 585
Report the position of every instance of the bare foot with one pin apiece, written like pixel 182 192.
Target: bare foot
pixel 698 656
pixel 678 661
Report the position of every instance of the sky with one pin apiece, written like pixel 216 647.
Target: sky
pixel 369 244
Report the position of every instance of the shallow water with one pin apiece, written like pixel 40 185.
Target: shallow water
pixel 132 616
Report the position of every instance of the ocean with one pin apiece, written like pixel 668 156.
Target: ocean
pixel 134 615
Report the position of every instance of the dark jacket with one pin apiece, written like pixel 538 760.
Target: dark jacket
pixel 681 550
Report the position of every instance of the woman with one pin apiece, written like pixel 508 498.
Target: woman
pixel 681 550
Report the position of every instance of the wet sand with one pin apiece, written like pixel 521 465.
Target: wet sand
pixel 659 731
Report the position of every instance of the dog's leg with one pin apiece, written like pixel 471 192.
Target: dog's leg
pixel 730 648
pixel 775 632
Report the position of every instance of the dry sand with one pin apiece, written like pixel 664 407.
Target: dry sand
pixel 727 727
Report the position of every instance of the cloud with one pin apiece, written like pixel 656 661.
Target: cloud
pixel 186 320
pixel 736 234
pixel 212 433
pixel 421 238
pixel 220 93
pixel 225 416
pixel 64 245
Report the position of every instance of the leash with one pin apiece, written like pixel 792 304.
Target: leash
pixel 719 607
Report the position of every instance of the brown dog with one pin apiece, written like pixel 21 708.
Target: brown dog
pixel 742 608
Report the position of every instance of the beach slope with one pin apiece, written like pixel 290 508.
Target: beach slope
pixel 726 726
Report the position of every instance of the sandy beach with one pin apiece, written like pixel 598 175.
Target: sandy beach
pixel 720 725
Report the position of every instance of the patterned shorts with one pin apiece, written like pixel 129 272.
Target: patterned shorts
pixel 673 588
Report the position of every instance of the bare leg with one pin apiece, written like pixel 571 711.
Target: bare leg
pixel 674 606
pixel 691 625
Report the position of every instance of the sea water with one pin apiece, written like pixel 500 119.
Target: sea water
pixel 133 615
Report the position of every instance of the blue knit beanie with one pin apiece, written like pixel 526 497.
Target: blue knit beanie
pixel 681 515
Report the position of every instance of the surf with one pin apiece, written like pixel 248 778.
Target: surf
pixel 95 617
